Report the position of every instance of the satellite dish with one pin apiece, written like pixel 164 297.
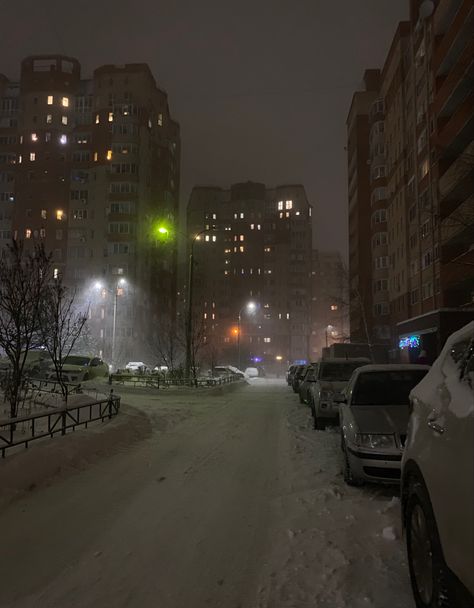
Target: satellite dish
pixel 426 9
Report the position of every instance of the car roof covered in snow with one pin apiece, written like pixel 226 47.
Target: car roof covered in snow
pixel 390 367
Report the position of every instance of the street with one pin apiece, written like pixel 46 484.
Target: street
pixel 235 504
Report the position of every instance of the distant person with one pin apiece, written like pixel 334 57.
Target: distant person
pixel 422 358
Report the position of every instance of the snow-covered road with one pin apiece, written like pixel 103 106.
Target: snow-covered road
pixel 236 503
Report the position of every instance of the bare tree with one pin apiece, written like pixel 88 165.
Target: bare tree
pixel 61 326
pixel 23 279
pixel 165 344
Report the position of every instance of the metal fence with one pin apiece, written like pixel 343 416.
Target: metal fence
pixel 156 381
pixel 24 429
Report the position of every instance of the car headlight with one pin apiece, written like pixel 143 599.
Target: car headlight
pixel 375 441
pixel 326 395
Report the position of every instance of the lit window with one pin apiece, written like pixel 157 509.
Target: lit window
pixel 207 238
pixel 241 216
pixel 241 249
pixel 287 315
pixel 111 117
pixel 281 214
pixel 42 233
pixel 214 239
pixel 109 154
pixel 267 340
pixel 28 233
pixel 50 100
pixel 34 137
pixel 227 251
pixel 160 119
pixel 333 306
pixel 63 139
pixel 47 136
pixel 49 119
pixel 226 272
pixel 59 214
pixel 64 120
pixel 242 238
pixel 288 204
pixel 252 226
pixel 96 156
pixel 32 156
pixel 44 214
pixel 287 214
pixel 205 315
pixel 20 159
pixel 280 205
pixel 297 212
pixel 55 273
pixel 97 119
pixel 65 102
pixel 259 227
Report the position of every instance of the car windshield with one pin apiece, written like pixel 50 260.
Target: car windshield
pixel 77 360
pixel 386 387
pixel 338 372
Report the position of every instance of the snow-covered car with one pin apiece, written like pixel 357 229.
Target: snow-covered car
pixel 77 368
pixel 331 378
pixel 136 366
pixel 305 384
pixel 373 415
pixel 37 363
pixel 438 479
pixel 251 372
pixel 290 374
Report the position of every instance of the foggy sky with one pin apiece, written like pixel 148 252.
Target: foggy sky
pixel 261 88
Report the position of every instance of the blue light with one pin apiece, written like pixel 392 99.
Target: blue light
pixel 257 359
pixel 301 362
pixel 409 342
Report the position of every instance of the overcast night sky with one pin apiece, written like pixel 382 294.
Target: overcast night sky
pixel 261 88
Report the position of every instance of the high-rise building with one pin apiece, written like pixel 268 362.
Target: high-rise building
pixel 88 168
pixel 362 180
pixel 421 168
pixel 260 252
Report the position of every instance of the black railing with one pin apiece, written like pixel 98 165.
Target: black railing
pixel 24 429
pixel 155 381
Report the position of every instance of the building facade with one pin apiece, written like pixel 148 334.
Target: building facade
pixel 87 168
pixel 421 137
pixel 260 252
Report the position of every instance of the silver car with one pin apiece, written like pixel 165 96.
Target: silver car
pixel 438 479
pixel 331 377
pixel 374 419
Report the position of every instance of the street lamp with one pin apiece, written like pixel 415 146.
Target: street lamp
pixel 249 307
pixel 115 292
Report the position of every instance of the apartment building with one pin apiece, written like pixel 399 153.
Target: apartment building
pixel 330 301
pixel 420 141
pixel 363 179
pixel 87 168
pixel 260 252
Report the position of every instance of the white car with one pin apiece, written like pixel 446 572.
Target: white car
pixel 251 372
pixel 438 479
pixel 136 366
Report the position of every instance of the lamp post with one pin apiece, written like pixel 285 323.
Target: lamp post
pixel 249 307
pixel 115 292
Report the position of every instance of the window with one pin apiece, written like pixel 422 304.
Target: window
pixel 109 155
pixel 97 119
pixel 63 139
pixel 32 156
pixel 47 136
pixel 288 204
pixel 381 309
pixel 160 119
pixel 121 228
pixel 79 195
pixel 79 214
pixel 123 187
pixel 34 137
pixel 111 117
pixel 65 102
pixel 414 296
pixel 424 168
pixel 427 259
pixel 380 285
pixel 381 262
pixel 28 233
pixel 267 340
pixel 81 156
pixel 378 172
pixel 64 120
pixel 379 216
pixel 425 229
pixel 125 207
pixel 280 205
pixel 379 194
pixel 427 290
pixel 44 214
pixel 379 238
pixel 49 119
pixel 50 100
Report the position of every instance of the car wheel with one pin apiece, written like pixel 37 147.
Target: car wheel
pixel 349 477
pixel 428 572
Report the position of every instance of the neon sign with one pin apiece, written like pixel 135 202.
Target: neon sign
pixel 409 342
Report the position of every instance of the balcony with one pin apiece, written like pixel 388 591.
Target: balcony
pixel 457 85
pixel 455 133
pixel 457 183
pixel 457 36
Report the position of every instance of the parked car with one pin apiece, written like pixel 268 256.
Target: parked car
pixel 438 479
pixel 77 368
pixel 290 374
pixel 136 367
pixel 251 372
pixel 331 379
pixel 300 373
pixel 37 363
pixel 374 414
pixel 305 384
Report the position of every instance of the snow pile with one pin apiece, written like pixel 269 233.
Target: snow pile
pixel 336 546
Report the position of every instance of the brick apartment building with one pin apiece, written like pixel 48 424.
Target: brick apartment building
pixel 260 252
pixel 87 166
pixel 420 143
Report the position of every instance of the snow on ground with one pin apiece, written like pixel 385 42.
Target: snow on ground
pixel 335 546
